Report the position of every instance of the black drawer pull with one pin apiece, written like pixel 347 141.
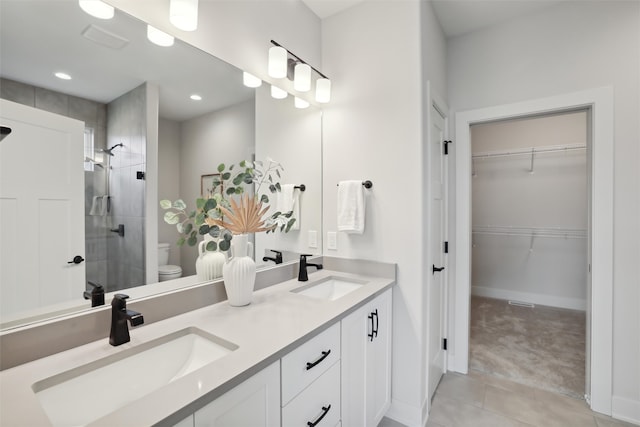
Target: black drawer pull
pixel 324 356
pixel 325 410
pixel 374 326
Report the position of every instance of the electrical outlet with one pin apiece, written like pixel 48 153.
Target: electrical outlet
pixel 313 239
pixel 332 240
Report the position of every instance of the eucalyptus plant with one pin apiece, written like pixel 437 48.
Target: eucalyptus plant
pixel 209 211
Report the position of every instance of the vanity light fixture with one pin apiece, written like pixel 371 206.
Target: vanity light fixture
pixel 323 90
pixel 196 97
pixel 277 62
pixel 184 14
pixel 62 76
pixel 158 37
pixel 250 80
pixel 299 71
pixel 97 8
pixel 278 93
pixel 300 103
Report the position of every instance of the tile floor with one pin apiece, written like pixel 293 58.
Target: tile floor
pixel 480 400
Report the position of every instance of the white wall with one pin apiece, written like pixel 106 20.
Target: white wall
pixel 572 47
pixel 224 136
pixel 372 129
pixel 293 138
pixel 541 270
pixel 168 181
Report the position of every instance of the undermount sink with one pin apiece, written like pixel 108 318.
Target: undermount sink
pixel 89 392
pixel 330 288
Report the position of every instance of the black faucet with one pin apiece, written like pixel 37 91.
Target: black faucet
pixel 302 274
pixel 96 295
pixel 119 316
pixel 277 259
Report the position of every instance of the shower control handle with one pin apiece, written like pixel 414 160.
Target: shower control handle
pixel 76 260
pixel 436 269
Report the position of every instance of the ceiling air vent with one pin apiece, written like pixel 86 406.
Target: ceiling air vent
pixel 104 37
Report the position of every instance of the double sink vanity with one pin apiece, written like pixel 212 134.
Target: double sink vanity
pixel 313 353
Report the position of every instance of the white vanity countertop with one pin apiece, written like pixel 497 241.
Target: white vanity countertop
pixel 273 324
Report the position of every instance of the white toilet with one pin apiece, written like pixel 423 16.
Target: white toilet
pixel 165 270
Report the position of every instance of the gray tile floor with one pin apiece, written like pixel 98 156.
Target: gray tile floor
pixel 479 400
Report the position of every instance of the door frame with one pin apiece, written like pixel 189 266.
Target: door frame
pixel 599 102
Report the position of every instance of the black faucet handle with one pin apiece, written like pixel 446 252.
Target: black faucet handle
pixel 276 252
pixel 119 301
pixel 121 296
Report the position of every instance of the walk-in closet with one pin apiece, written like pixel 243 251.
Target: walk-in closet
pixel 529 250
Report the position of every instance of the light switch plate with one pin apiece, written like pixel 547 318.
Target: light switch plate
pixel 332 240
pixel 313 239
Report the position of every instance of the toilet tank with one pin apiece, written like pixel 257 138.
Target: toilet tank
pixel 163 253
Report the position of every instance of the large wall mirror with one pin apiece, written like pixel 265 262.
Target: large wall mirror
pixel 141 131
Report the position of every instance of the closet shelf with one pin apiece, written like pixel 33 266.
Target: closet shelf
pixel 529 151
pixel 554 232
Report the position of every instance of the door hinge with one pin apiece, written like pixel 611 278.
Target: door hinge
pixel 446 146
pixel 444 343
pixel 446 247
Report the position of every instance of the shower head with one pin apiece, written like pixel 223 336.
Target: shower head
pixel 109 150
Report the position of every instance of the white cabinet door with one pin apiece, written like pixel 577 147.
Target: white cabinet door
pixel 254 403
pixel 366 363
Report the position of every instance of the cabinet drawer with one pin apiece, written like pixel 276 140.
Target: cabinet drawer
pixel 318 404
pixel 307 362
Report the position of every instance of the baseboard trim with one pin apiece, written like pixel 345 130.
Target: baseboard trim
pixel 625 409
pixel 404 413
pixel 541 299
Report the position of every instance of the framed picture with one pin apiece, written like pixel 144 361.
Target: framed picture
pixel 206 185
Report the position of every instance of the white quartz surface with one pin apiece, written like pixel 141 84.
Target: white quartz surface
pixel 273 324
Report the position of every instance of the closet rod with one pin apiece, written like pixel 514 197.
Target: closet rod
pixel 529 151
pixel 531 231
pixel 533 234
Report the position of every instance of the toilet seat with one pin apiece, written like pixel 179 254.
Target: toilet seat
pixel 169 269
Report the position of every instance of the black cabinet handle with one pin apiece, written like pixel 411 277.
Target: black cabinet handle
pixel 436 269
pixel 325 410
pixel 374 324
pixel 324 356
pixel 76 260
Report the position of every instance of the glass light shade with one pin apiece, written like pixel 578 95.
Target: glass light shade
pixel 250 80
pixel 277 62
pixel 278 93
pixel 158 37
pixel 302 78
pixel 97 8
pixel 184 14
pixel 62 75
pixel 300 103
pixel 323 90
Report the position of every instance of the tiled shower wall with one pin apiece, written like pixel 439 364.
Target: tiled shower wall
pixel 126 125
pixel 94 114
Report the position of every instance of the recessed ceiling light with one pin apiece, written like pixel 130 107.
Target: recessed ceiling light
pixel 196 97
pixel 97 8
pixel 63 76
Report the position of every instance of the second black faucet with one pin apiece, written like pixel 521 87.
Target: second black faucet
pixel 302 274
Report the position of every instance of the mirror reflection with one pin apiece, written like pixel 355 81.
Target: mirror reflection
pixel 141 131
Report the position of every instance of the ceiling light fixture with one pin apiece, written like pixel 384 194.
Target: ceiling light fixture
pixel 196 97
pixel 62 76
pixel 97 8
pixel 250 80
pixel 184 14
pixel 299 71
pixel 158 37
pixel 278 93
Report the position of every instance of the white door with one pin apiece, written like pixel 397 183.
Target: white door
pixel 41 209
pixel 436 280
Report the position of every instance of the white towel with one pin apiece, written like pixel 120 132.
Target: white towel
pixel 351 207
pixel 99 206
pixel 288 201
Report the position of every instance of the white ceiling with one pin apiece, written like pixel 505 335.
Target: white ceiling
pixel 456 17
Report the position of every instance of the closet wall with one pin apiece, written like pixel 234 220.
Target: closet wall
pixel 530 211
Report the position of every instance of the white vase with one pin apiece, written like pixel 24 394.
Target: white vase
pixel 239 272
pixel 209 263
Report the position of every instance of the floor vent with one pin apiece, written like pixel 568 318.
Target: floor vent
pixel 521 304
